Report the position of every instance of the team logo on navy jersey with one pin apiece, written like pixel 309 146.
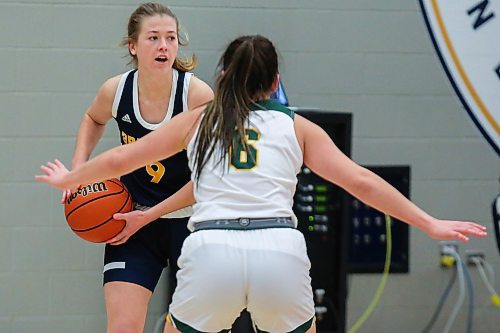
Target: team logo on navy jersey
pixel 465 34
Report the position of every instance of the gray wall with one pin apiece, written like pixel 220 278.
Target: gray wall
pixel 369 57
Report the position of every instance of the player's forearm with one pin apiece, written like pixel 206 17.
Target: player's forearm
pixel 377 193
pixel 180 199
pixel 110 164
pixel 87 138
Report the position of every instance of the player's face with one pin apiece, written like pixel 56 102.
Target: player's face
pixel 157 43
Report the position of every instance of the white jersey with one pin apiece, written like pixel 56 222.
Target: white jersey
pixel 251 188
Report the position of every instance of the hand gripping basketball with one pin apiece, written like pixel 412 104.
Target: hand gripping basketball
pixel 89 211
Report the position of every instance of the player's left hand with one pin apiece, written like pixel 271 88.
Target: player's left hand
pixel 54 174
pixel 134 221
pixel 460 230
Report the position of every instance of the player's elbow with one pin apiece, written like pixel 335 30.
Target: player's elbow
pixel 361 183
pixel 115 161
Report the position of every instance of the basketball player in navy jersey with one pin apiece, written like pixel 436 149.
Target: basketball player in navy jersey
pixel 244 152
pixel 140 101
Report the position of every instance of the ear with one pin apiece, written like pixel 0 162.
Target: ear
pixel 131 48
pixel 276 82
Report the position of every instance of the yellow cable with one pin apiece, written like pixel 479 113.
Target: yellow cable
pixel 495 300
pixel 383 281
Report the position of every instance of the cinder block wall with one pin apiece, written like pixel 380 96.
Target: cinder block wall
pixel 371 58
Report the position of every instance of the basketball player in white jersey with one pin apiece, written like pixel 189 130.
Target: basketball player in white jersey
pixel 141 100
pixel 244 151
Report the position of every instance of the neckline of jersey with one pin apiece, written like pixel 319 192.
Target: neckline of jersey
pixel 270 105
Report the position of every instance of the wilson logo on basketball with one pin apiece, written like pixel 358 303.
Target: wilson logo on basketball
pixel 85 190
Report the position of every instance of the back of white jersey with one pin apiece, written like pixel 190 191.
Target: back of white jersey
pixel 251 188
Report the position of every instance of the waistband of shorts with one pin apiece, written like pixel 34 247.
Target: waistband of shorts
pixel 245 223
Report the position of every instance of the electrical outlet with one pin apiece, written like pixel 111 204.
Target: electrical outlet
pixel 444 244
pixel 446 259
pixel 470 255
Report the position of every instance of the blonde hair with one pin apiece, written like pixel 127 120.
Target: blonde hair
pixel 134 24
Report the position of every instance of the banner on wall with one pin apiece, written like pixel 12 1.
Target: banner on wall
pixel 466 36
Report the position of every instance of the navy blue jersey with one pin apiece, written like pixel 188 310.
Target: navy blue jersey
pixel 153 183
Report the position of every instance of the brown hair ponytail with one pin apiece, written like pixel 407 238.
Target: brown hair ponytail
pixel 249 66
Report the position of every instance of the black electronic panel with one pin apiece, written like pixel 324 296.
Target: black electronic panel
pixel 368 237
pixel 323 212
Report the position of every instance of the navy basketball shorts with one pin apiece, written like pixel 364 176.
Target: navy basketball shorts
pixel 143 257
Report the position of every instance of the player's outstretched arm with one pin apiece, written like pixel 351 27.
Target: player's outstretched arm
pixel 326 160
pixel 164 142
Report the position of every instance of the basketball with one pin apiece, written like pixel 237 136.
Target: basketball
pixel 89 211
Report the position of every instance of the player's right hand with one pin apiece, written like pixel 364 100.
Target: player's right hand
pixel 135 220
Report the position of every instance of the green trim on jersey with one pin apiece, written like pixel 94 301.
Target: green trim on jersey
pixel 271 104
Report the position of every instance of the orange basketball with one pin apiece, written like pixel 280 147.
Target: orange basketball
pixel 89 211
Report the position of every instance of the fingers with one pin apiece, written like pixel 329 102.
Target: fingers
pixel 478 227
pixel 119 216
pixel 122 237
pixel 461 237
pixel 53 166
pixel 65 195
pixel 53 173
pixel 473 225
pixel 462 229
pixel 482 227
pixel 41 178
pixel 115 239
pixel 119 239
pixel 478 233
pixel 59 164
pixel 473 230
pixel 46 170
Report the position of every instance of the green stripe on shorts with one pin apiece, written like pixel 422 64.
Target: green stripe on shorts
pixel 301 329
pixel 185 328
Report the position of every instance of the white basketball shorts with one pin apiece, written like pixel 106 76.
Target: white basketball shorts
pixel 222 272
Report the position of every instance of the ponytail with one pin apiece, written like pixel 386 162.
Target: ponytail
pixel 249 66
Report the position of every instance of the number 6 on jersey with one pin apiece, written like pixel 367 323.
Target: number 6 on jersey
pixel 240 158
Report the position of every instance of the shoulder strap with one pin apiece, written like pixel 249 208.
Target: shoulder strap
pixel 179 91
pixel 119 91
